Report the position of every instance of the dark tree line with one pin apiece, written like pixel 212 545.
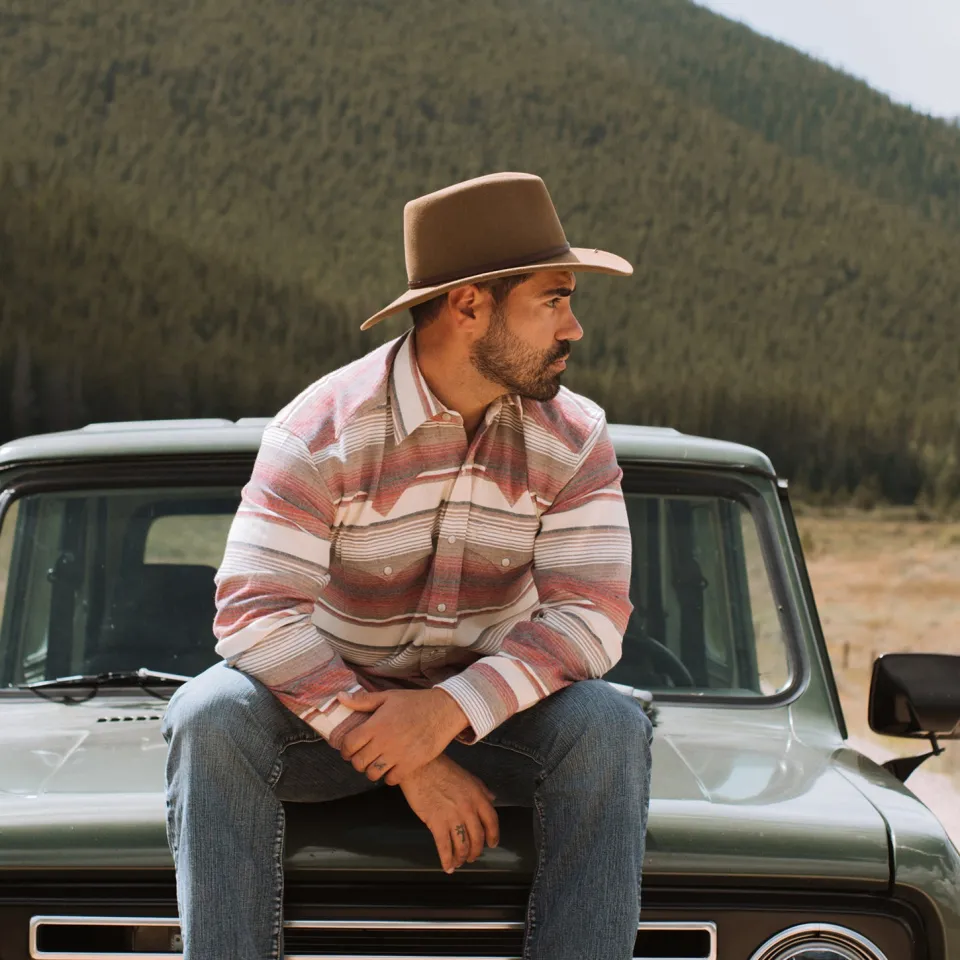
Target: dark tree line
pixel 198 210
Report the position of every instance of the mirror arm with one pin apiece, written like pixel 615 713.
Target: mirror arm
pixel 902 767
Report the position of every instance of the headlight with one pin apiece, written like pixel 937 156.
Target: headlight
pixel 818 941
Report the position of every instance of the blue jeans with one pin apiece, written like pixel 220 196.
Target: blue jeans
pixel 580 759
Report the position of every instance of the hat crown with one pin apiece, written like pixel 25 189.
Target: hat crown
pixel 489 223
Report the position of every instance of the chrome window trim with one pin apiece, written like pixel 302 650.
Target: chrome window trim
pixel 436 925
pixel 780 940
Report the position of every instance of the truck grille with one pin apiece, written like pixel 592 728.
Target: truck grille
pixel 157 938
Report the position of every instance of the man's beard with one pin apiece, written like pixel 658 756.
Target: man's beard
pixel 505 359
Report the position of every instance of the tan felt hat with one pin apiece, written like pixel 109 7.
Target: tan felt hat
pixel 481 229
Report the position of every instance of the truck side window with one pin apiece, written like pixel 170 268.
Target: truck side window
pixel 772 665
pixel 705 615
pixel 36 550
pixel 7 533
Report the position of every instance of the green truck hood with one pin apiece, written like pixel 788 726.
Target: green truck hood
pixel 736 795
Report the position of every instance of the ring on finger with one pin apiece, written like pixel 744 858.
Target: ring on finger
pixel 377 768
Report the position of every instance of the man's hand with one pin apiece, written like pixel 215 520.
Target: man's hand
pixel 406 729
pixel 456 807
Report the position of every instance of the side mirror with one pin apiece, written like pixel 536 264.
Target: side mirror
pixel 915 695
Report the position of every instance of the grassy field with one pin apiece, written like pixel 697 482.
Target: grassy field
pixel 886 583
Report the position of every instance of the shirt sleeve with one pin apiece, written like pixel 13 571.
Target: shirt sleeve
pixel 275 565
pixel 581 568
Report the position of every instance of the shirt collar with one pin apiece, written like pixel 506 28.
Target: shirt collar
pixel 413 402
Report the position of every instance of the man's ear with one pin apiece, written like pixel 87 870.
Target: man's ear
pixel 463 301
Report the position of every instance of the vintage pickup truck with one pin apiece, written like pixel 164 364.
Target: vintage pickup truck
pixel 769 837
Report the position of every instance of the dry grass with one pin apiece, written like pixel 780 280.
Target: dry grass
pixel 887 582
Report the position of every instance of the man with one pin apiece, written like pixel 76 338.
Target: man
pixel 426 576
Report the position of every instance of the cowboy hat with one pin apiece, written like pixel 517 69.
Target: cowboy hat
pixel 493 226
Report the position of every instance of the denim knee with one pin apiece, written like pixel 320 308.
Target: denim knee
pixel 608 719
pixel 218 701
pixel 197 704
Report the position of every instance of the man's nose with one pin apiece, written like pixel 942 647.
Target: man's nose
pixel 571 329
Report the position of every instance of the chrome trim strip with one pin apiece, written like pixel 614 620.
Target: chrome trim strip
pixel 434 925
pixel 65 920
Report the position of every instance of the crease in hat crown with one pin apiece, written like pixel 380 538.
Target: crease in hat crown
pixel 480 229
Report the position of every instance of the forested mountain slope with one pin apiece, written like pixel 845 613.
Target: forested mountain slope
pixel 802 105
pixel 201 201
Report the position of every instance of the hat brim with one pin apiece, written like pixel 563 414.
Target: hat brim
pixel 576 259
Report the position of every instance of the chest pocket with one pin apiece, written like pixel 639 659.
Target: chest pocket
pixel 370 554
pixel 504 559
pixel 502 549
pixel 504 545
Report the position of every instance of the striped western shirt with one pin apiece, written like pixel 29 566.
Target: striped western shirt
pixel 375 547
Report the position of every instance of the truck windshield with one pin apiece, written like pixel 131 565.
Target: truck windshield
pixel 114 580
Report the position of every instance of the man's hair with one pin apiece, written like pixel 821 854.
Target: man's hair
pixel 428 311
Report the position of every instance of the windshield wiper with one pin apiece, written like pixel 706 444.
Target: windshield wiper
pixel 143 678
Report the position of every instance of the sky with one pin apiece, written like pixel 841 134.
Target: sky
pixel 909 49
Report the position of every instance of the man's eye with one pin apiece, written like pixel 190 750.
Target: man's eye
pixel 552 304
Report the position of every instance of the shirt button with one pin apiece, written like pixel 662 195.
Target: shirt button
pixel 388 570
pixel 441 607
pixel 451 539
pixel 446 416
pixel 505 562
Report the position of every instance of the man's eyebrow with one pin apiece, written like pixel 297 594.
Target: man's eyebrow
pixel 558 292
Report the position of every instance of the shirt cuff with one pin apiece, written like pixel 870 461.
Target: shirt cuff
pixel 333 720
pixel 486 707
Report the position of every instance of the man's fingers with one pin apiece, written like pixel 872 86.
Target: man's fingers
pixel 491 823
pixel 377 769
pixel 393 778
pixel 361 700
pixel 476 832
pixel 355 740
pixel 364 759
pixel 441 837
pixel 461 842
